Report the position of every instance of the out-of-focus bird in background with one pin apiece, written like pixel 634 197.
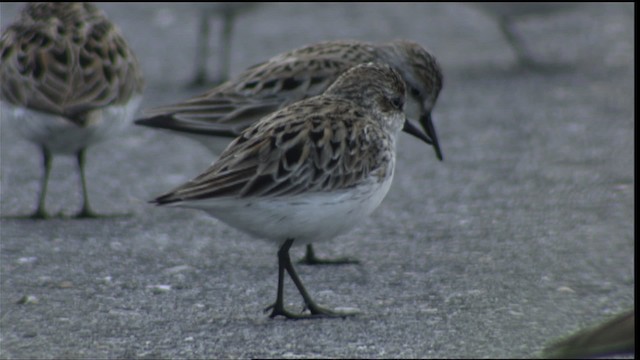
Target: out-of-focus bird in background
pixel 613 337
pixel 227 12
pixel 508 13
pixel 68 80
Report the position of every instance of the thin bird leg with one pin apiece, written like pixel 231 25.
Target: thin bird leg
pixel 278 307
pixel 202 52
pixel 316 310
pixel 86 211
pixel 46 160
pixel 284 263
pixel 225 48
pixel 310 258
pixel 524 56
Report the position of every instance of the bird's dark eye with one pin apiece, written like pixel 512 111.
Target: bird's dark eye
pixel 415 92
pixel 397 102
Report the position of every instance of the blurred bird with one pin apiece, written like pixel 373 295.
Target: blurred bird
pixel 227 11
pixel 67 80
pixel 613 337
pixel 507 13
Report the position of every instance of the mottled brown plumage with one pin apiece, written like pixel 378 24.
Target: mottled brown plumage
pixel 309 171
pixel 321 144
pixel 66 59
pixel 67 80
pixel 223 112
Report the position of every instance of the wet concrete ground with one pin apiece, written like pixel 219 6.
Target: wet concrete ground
pixel 524 233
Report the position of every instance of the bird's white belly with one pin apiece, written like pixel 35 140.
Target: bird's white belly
pixel 62 136
pixel 305 218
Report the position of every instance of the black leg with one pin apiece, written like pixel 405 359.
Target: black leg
pixel 310 258
pixel 46 160
pixel 278 307
pixel 86 211
pixel 284 263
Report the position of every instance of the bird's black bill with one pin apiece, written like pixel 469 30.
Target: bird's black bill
pixel 410 128
pixel 427 125
pixel 430 137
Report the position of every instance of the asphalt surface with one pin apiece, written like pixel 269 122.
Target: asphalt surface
pixel 523 234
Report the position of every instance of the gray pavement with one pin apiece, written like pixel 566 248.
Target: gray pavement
pixel 524 233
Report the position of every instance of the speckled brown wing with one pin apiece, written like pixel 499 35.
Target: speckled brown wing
pixel 316 145
pixel 66 59
pixel 262 89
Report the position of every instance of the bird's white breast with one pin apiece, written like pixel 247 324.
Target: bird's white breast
pixel 62 136
pixel 305 217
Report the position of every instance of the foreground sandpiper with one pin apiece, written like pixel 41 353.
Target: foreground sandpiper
pixel 219 115
pixel 309 171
